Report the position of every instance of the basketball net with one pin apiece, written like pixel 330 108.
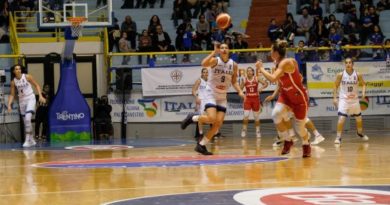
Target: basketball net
pixel 76 25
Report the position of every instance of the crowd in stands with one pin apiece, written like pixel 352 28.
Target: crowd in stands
pixel 321 30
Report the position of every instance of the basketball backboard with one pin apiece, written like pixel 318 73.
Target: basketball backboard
pixel 55 13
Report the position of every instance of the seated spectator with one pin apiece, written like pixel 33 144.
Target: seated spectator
pixel 144 45
pixel 203 32
pixel 305 23
pixel 162 42
pixel 130 27
pixel 315 9
pixel 349 11
pixel 335 42
pixel 180 11
pixel 300 53
pixel 274 31
pixel 352 28
pixel 301 4
pixel 218 35
pixel 367 27
pixel 180 32
pixel 289 27
pixel 240 43
pixel 114 35
pixel 153 23
pixel 387 52
pixel 223 5
pixel 352 53
pixel 194 4
pixel 319 30
pixel 211 14
pixel 330 21
pixel 376 38
pixel 382 5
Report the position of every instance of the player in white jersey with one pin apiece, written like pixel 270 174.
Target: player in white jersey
pixel 222 75
pixel 348 104
pixel 23 84
pixel 204 97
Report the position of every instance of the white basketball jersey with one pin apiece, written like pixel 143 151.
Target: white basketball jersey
pixel 349 87
pixel 204 90
pixel 220 77
pixel 23 86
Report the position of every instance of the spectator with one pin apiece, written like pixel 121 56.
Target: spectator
pixel 349 11
pixel 218 35
pixel 339 28
pixel 240 43
pixel 315 9
pixel 127 4
pixel 124 47
pixel 274 31
pixel 114 35
pixel 144 45
pixel 352 53
pixel 352 28
pixel 382 5
pixel 305 23
pixel 367 27
pixel 376 38
pixel 373 15
pixel 300 53
pixel 4 14
pixel 180 31
pixel 289 27
pixel 162 42
pixel 223 5
pixel 130 27
pixel 153 23
pixel 301 4
pixel 102 118
pixel 194 4
pixel 319 30
pixel 203 32
pixel 211 14
pixel 335 42
pixel 331 20
pixel 387 52
pixel 180 11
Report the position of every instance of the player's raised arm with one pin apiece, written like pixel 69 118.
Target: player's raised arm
pixel 210 61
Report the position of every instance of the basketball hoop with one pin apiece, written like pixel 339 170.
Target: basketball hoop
pixel 76 25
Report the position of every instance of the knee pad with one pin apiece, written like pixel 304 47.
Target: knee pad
pixel 27 122
pixel 341 119
pixel 300 127
pixel 256 115
pixel 279 113
pixel 246 113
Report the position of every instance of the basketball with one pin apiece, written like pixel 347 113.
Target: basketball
pixel 223 20
pixel 364 103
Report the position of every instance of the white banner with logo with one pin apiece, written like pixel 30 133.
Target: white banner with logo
pixel 174 109
pixel 322 75
pixel 9 117
pixel 179 80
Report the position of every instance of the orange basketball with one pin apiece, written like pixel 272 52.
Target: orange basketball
pixel 223 20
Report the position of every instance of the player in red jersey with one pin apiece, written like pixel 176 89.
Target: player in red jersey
pixel 293 96
pixel 252 101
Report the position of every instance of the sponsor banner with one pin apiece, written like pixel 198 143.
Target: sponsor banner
pixel 174 109
pixel 321 77
pixel 9 117
pixel 179 80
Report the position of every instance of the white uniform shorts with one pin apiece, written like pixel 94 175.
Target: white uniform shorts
pixel 349 108
pixel 27 104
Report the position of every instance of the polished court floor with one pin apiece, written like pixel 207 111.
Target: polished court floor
pixel 24 181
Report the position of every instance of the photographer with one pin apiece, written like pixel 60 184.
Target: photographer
pixel 102 119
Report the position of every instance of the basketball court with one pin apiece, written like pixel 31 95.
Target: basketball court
pixel 168 171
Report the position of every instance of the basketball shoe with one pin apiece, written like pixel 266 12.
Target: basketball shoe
pixel 306 150
pixel 202 149
pixel 317 140
pixel 363 137
pixel 287 146
pixel 187 121
pixel 277 142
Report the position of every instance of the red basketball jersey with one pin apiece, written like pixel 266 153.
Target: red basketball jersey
pixel 291 86
pixel 251 87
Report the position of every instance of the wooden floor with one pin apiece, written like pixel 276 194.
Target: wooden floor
pixel 353 163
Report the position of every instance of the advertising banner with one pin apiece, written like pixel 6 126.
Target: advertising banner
pixel 322 75
pixel 179 80
pixel 174 109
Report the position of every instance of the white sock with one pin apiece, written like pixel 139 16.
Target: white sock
pixel 291 133
pixel 316 133
pixel 338 134
pixel 204 141
pixel 195 118
pixel 258 129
